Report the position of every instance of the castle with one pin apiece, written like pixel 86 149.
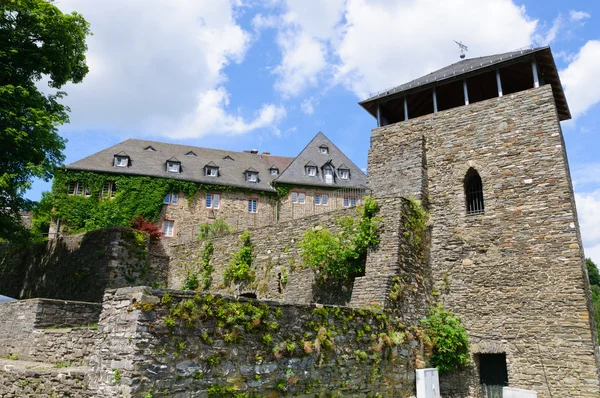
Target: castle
pixel 479 143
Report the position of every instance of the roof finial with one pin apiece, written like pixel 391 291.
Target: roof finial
pixel 463 48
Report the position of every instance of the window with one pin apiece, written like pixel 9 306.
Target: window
pixel 328 175
pixel 109 190
pixel 173 167
pixel 171 198
pixel 321 199
pixel 228 158
pixel 86 192
pixel 252 177
pixel 212 171
pixel 190 153
pixel 324 149
pixel 474 192
pixel 78 189
pixel 168 228
pixel 121 161
pixel 274 171
pixel 311 171
pixel 252 206
pixel 149 149
pixel 299 198
pixel 213 200
pixel 349 201
pixel 344 174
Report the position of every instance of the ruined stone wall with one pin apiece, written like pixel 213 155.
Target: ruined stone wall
pixel 79 267
pixel 48 330
pixel 170 343
pixel 515 274
pixel 277 258
pixel 233 208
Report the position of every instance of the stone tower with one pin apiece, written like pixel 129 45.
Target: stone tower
pixel 480 142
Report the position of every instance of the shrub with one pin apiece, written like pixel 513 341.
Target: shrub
pixel 141 224
pixel 448 339
pixel 216 229
pixel 240 267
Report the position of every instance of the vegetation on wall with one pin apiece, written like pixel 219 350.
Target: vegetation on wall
pixel 240 268
pixel 342 255
pixel 594 277
pixel 218 228
pixel 446 339
pixel 202 278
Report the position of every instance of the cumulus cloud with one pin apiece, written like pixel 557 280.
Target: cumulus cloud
pixel 588 208
pixel 581 79
pixel 153 66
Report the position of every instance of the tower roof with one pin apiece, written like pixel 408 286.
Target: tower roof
pixel 473 66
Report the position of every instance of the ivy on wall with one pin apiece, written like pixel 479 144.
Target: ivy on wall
pixel 342 255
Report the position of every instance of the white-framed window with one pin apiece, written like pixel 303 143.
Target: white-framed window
pixel 252 206
pixel 172 198
pixel 86 192
pixel 121 161
pixel 274 172
pixel 78 189
pixel 349 201
pixel 324 149
pixel 109 190
pixel 252 177
pixel 328 175
pixel 321 199
pixel 168 228
pixel 213 200
pixel 298 197
pixel 212 171
pixel 173 167
pixel 311 171
pixel 344 174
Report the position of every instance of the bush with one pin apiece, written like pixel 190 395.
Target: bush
pixel 449 342
pixel 216 229
pixel 147 226
pixel 240 267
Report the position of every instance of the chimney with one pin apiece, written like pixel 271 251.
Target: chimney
pixel 254 151
pixel 265 154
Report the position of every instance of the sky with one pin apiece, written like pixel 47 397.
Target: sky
pixel 270 74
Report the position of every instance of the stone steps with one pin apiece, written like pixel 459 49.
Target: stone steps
pixel 39 379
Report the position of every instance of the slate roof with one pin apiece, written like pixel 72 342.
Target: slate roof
pixel 311 155
pixel 152 163
pixel 472 66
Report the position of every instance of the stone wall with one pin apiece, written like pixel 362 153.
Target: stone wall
pixel 32 379
pixel 335 201
pixel 179 344
pixel 516 273
pixel 233 208
pixel 80 267
pixel 48 330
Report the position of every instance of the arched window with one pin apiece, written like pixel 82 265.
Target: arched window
pixel 474 192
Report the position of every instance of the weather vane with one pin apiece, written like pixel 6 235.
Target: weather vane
pixel 463 48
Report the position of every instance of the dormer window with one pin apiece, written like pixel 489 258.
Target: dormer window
pixel 228 158
pixel 191 153
pixel 311 171
pixel 274 171
pixel 149 148
pixel 251 177
pixel 344 174
pixel 173 167
pixel 212 171
pixel 324 149
pixel 121 161
pixel 328 173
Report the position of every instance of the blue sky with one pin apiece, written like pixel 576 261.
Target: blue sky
pixel 244 74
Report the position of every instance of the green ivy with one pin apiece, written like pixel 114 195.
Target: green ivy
pixel 202 280
pixel 240 267
pixel 342 255
pixel 447 339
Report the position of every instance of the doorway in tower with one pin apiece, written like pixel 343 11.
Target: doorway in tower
pixel 493 374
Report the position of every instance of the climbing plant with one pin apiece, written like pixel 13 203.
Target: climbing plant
pixel 447 339
pixel 342 255
pixel 202 278
pixel 240 269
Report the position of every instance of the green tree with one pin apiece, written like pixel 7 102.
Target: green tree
pixel 36 40
pixel 594 276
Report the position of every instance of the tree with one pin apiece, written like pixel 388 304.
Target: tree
pixel 36 40
pixel 594 277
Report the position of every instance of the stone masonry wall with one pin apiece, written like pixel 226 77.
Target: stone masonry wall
pixel 79 267
pixel 48 330
pixel 515 274
pixel 276 254
pixel 335 201
pixel 233 208
pixel 177 344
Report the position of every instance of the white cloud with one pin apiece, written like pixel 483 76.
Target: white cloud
pixel 545 38
pixel 578 16
pixel 587 175
pixel 581 79
pixel 588 208
pixel 153 66
pixel 307 106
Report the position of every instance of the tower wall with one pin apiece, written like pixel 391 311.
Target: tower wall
pixel 515 274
